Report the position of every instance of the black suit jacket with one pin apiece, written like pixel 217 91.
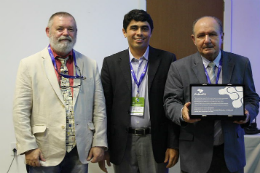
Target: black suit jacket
pixel 116 80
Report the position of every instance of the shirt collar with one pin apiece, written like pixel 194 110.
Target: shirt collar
pixel 145 55
pixel 216 61
pixel 70 54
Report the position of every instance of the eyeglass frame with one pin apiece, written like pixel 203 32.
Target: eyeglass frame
pixel 74 77
pixel 67 76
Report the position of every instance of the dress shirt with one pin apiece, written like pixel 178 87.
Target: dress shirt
pixel 220 140
pixel 138 67
pixel 216 61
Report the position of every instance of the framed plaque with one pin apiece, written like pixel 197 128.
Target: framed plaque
pixel 217 101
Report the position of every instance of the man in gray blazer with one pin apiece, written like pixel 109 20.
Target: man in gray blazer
pixel 200 151
pixel 59 107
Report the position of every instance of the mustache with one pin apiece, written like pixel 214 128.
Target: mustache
pixel 208 46
pixel 65 38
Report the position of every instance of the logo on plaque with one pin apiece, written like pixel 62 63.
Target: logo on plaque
pixel 235 93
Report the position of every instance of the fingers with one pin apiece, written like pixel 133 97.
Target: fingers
pixel 175 159
pixel 166 157
pixel 94 160
pixel 185 114
pixel 33 157
pixel 243 121
pixel 107 158
pixel 108 163
pixel 246 112
pixel 90 155
pixel 96 154
pixel 42 158
pixel 33 164
pixel 168 160
pixel 170 163
pixel 239 122
pixel 102 165
pixel 171 156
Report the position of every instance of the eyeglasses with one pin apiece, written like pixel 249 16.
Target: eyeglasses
pixel 78 77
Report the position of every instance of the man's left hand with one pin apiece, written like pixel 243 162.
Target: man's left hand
pixel 102 164
pixel 243 121
pixel 96 154
pixel 171 156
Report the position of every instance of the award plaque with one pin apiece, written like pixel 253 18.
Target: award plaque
pixel 217 101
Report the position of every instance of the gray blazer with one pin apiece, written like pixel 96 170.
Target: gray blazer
pixel 196 140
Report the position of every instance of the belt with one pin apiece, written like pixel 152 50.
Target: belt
pixel 140 132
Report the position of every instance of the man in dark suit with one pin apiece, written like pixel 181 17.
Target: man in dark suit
pixel 202 149
pixel 141 139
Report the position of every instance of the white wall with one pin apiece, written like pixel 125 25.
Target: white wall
pixel 23 33
pixel 242 33
pixel 99 23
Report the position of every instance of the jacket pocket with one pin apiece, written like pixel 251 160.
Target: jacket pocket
pixel 40 133
pixel 186 137
pixel 91 127
pixel 38 129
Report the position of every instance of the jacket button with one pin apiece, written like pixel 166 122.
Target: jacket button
pixel 63 127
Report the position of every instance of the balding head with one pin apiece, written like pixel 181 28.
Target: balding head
pixel 208 36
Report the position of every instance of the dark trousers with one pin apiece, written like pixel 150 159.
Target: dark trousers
pixel 70 164
pixel 218 164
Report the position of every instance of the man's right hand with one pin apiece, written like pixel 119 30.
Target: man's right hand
pixel 185 114
pixel 33 157
pixel 102 164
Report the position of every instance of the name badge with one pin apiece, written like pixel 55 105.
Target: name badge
pixel 137 107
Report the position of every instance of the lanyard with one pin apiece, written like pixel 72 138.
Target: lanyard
pixel 141 77
pixel 55 65
pixel 218 74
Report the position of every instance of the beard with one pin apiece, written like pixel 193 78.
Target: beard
pixel 62 45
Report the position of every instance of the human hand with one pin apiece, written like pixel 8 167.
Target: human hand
pixel 102 164
pixel 243 121
pixel 171 156
pixel 185 114
pixel 96 154
pixel 33 157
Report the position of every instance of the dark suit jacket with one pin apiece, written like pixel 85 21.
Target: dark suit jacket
pixel 116 80
pixel 196 140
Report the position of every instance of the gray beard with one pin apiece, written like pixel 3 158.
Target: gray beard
pixel 62 48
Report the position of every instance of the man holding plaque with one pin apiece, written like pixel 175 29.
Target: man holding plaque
pixel 140 137
pixel 209 145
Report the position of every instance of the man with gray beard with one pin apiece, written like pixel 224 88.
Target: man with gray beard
pixel 59 109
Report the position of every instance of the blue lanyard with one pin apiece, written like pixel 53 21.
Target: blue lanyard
pixel 218 74
pixel 55 65
pixel 141 77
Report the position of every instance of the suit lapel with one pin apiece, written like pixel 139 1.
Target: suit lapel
pixel 50 73
pixel 154 61
pixel 76 82
pixel 124 64
pixel 198 68
pixel 227 68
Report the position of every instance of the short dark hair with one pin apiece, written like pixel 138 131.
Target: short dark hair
pixel 61 13
pixel 137 15
pixel 215 18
